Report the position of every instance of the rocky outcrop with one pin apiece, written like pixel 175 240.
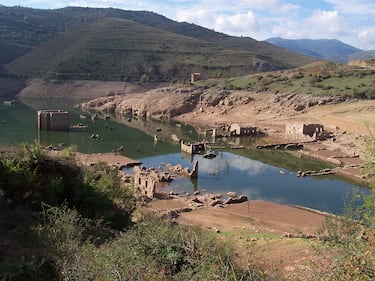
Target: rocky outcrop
pixel 300 102
pixel 170 102
pixel 158 103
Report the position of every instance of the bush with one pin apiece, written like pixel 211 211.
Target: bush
pixel 154 249
pixel 350 250
pixel 350 253
pixel 30 177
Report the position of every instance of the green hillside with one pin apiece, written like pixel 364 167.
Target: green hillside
pixel 317 78
pixel 117 49
pixel 73 43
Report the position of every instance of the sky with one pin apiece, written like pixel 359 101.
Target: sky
pixel 351 21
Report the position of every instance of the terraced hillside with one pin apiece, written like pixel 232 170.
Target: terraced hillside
pixel 112 44
pixel 110 49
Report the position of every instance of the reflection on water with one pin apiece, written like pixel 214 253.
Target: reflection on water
pixel 231 172
pixel 255 173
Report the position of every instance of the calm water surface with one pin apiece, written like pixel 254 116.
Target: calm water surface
pixel 255 173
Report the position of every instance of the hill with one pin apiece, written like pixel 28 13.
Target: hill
pixel 319 78
pixel 330 49
pixel 117 49
pixel 33 33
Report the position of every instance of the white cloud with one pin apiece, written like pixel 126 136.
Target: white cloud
pixel 236 24
pixel 366 38
pixel 354 7
pixel 329 23
pixel 199 16
pixel 220 164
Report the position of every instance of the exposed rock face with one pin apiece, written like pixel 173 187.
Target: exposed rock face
pixel 162 103
pixel 170 102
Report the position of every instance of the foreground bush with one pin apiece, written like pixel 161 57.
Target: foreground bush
pixel 29 177
pixel 348 252
pixel 154 249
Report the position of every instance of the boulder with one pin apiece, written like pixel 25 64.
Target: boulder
pixel 216 202
pixel 242 198
pixel 299 107
pixel 232 194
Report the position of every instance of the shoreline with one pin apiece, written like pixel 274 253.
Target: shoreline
pixel 349 167
pixel 256 216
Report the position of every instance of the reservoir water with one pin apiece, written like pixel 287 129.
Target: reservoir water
pixel 259 174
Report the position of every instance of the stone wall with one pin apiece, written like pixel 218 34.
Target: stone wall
pixel 304 132
pixel 193 148
pixel 53 120
pixel 238 131
pixel 144 183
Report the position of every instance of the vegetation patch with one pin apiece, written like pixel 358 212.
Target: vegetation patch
pixel 319 79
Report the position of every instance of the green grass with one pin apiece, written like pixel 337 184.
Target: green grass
pixel 318 79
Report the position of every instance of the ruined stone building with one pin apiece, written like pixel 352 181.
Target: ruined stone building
pixel 147 180
pixel 236 130
pixel 304 132
pixel 53 120
pixel 196 76
pixel 193 148
pixel 143 182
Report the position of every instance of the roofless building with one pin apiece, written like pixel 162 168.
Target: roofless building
pixel 53 120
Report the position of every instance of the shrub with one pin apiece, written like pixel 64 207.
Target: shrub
pixel 350 250
pixel 154 249
pixel 370 94
pixel 350 242
pixel 298 75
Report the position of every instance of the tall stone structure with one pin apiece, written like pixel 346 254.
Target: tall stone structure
pixel 53 120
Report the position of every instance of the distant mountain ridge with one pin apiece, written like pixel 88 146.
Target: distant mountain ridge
pixel 359 56
pixel 330 49
pixel 95 43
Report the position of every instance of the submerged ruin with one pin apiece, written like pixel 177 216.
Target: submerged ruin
pixel 146 181
pixel 236 130
pixel 53 120
pixel 304 132
pixel 190 148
